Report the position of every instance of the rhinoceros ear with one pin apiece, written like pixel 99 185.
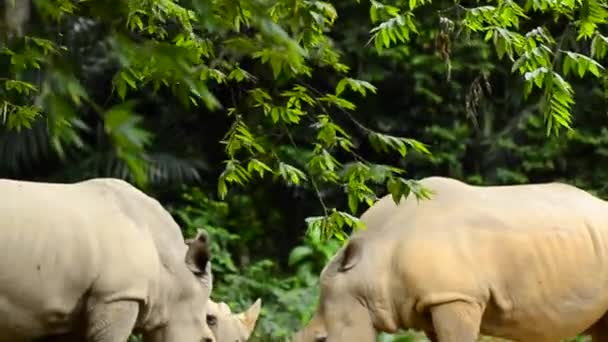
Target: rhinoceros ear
pixel 350 256
pixel 198 254
pixel 249 317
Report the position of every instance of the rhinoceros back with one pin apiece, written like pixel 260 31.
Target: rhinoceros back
pixel 60 243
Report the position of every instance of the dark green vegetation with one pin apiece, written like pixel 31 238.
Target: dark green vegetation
pixel 263 120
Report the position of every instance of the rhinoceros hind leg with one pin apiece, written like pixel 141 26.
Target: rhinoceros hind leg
pixel 456 321
pixel 111 322
pixel 599 331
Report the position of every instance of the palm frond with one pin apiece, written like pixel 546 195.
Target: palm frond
pixel 166 168
pixel 161 168
pixel 24 151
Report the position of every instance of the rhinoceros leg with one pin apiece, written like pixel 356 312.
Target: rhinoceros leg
pixel 456 321
pixel 431 335
pixel 599 331
pixel 599 336
pixel 111 322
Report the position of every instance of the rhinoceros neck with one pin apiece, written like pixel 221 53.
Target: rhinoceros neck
pixel 155 313
pixel 154 218
pixel 375 280
pixel 382 312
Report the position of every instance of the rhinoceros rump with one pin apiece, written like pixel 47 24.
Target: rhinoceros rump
pixel 527 263
pixel 97 259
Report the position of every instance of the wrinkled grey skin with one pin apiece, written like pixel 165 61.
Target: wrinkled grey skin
pixel 98 259
pixel 526 263
pixel 229 327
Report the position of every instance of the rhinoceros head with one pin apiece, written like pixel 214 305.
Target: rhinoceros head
pixel 230 327
pixel 186 308
pixel 341 315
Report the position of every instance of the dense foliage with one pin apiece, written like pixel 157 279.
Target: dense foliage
pixel 262 120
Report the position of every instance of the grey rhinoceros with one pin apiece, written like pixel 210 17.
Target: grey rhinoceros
pixel 225 325
pixel 98 259
pixel 524 262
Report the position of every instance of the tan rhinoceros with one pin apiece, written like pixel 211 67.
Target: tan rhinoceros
pixel 229 327
pixel 97 259
pixel 527 262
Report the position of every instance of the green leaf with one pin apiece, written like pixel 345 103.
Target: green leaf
pixel 338 101
pixel 21 116
pixel 583 64
pixel 382 142
pixel 222 188
pixel 353 203
pixel 233 173
pixel 121 87
pixel 291 174
pixel 398 188
pixel 298 254
pixel 599 46
pixel 397 29
pixel 122 125
pixel 255 165
pixel 567 65
pixel 359 86
pixel 340 86
pixel 20 86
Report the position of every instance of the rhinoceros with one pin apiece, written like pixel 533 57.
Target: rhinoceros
pixel 523 262
pixel 229 327
pixel 225 325
pixel 98 259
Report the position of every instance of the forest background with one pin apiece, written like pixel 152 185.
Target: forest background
pixel 274 124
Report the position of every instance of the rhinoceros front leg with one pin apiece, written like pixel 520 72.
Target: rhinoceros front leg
pixel 599 336
pixel 111 322
pixel 456 322
pixel 431 335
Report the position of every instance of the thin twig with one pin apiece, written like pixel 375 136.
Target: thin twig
pixel 362 127
pixel 312 179
pixel 349 115
pixel 558 48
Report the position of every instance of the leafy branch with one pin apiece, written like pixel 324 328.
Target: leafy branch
pixel 534 54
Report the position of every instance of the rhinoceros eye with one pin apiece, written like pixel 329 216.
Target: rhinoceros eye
pixel 211 320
